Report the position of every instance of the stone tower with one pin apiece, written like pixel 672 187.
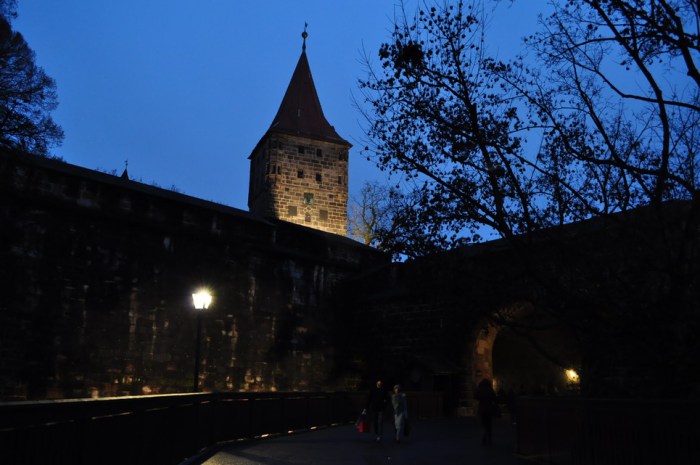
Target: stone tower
pixel 299 169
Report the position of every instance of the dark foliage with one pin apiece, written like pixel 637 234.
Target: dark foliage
pixel 27 94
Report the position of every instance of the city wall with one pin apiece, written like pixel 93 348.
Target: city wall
pixel 97 273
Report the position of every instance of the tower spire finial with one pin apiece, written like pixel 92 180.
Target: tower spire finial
pixel 304 35
pixel 125 173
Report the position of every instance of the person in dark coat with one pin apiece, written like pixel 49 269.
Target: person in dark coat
pixel 377 401
pixel 487 405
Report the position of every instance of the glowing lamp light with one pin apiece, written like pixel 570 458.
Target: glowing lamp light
pixel 572 376
pixel 202 300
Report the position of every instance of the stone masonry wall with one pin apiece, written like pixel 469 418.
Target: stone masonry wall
pixel 575 294
pixel 418 323
pixel 97 274
pixel 301 180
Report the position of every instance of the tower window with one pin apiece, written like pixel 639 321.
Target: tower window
pixel 318 177
pixel 323 215
pixel 279 170
pixel 300 174
pixel 343 157
pixel 319 152
pixel 340 179
pixel 308 198
pixel 291 211
pixel 300 148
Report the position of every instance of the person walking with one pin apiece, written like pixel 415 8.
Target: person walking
pixel 398 402
pixel 377 400
pixel 487 400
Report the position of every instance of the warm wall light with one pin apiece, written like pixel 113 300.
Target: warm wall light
pixel 572 376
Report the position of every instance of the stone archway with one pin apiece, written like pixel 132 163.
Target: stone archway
pixel 535 364
pixel 531 355
pixel 482 356
pixel 480 362
pixel 482 353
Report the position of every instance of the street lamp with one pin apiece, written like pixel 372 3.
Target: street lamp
pixel 201 300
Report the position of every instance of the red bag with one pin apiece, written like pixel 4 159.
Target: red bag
pixel 363 427
pixel 362 424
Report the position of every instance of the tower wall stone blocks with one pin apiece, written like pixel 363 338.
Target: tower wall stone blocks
pixel 301 180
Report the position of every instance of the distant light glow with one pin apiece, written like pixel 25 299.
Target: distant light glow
pixel 572 376
pixel 202 299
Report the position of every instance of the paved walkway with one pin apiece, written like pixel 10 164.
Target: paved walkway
pixel 432 442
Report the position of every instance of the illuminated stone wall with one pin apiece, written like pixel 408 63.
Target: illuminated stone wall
pixel 97 274
pixel 300 180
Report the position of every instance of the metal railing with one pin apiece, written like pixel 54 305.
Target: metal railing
pixel 578 431
pixel 154 429
pixel 167 429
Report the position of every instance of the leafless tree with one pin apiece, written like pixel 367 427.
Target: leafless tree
pixel 600 119
pixel 369 213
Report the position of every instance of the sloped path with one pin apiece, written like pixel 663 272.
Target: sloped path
pixel 432 442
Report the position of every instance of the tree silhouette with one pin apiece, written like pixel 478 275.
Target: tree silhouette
pixel 600 119
pixel 27 94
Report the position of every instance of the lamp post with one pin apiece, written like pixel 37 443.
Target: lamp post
pixel 201 300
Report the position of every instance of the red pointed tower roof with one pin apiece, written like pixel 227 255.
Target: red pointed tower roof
pixel 300 113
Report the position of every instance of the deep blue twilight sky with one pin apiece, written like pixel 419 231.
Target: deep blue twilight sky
pixel 184 90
